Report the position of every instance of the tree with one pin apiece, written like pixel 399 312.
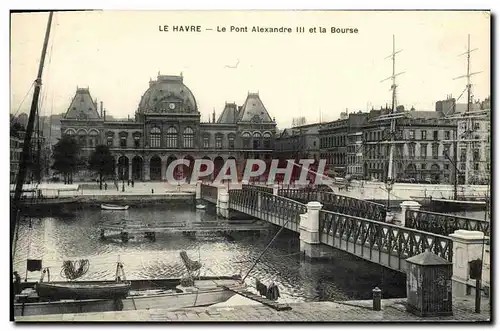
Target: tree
pixel 102 162
pixel 66 157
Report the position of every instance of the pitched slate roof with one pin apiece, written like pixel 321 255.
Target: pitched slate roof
pixel 253 110
pixel 82 106
pixel 229 114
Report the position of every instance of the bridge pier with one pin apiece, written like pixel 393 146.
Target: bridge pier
pixel 407 205
pixel 310 243
pixel 468 246
pixel 198 191
pixel 223 202
pixel 276 188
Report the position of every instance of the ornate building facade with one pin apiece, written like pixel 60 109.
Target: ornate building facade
pixel 167 126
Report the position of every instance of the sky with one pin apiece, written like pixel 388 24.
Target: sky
pixel 116 53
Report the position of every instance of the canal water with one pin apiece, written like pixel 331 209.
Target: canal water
pixel 71 237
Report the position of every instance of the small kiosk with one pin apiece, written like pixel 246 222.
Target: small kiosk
pixel 428 285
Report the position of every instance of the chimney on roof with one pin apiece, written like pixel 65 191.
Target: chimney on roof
pixel 104 111
pixel 101 108
pixel 213 116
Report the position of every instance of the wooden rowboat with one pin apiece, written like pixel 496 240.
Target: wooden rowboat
pixel 82 290
pixel 144 294
pixel 113 207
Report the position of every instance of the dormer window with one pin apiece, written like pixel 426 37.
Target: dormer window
pixel 256 119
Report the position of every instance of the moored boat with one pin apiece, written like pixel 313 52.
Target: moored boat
pixel 82 290
pixel 144 294
pixel 113 207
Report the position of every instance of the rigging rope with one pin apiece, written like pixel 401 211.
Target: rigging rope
pixel 75 269
pixel 19 108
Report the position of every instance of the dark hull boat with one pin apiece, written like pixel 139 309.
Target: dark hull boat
pixel 453 205
pixel 82 290
pixel 143 294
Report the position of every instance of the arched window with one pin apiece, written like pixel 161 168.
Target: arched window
pixel 256 140
pixel 93 138
pixel 188 138
pixel 82 138
pixel 267 140
pixel 246 139
pixel 155 137
pixel 69 132
pixel 172 137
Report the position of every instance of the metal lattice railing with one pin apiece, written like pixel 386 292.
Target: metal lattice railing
pixel 443 224
pixel 338 203
pixel 275 209
pixel 257 188
pixel 383 237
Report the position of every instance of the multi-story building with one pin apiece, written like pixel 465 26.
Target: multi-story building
pixel 477 136
pixel 167 127
pixel 16 149
pixel 300 142
pixel 422 148
pixel 477 139
pixel 335 145
pixel 35 164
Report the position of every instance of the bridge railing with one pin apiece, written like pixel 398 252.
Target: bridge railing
pixel 209 191
pixel 338 203
pixel 444 224
pixel 257 188
pixel 383 237
pixel 273 208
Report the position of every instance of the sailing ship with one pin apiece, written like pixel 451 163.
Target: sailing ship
pixel 463 201
pixel 397 191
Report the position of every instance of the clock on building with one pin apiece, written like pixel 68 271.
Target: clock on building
pixel 171 106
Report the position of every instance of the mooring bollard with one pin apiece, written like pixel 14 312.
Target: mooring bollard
pixel 377 298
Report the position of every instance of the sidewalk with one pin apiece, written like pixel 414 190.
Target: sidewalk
pixel 361 311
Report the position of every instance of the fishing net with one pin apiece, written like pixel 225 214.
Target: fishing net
pixel 74 269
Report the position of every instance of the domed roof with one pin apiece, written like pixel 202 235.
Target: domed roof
pixel 168 94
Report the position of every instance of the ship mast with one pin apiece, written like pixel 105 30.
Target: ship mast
pixel 393 117
pixel 29 131
pixel 468 116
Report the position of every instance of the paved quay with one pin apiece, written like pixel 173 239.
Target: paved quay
pixel 393 310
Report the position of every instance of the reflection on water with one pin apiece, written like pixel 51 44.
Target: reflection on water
pixel 54 239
